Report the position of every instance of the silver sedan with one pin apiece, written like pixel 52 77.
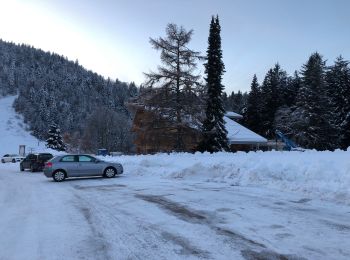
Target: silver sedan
pixel 80 165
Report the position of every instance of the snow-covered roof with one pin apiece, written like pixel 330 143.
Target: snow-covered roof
pixel 233 115
pixel 238 134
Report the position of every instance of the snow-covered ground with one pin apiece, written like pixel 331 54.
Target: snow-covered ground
pixel 145 216
pixel 13 131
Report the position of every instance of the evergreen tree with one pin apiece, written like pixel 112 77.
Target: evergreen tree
pixel 345 132
pixel 133 91
pixel 313 127
pixel 214 131
pixel 238 102
pixel 271 98
pixel 338 84
pixel 291 90
pixel 235 102
pixel 54 141
pixel 252 112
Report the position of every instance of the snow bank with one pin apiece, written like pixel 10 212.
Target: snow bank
pixel 315 174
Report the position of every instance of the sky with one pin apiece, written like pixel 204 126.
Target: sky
pixel 112 37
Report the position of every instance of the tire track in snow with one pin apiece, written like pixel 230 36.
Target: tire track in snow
pixel 250 249
pixel 193 216
pixel 97 243
pixel 125 240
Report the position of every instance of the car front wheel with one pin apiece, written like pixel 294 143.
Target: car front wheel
pixel 2 160
pixel 110 172
pixel 13 160
pixel 59 176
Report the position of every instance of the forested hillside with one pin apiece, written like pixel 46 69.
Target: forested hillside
pixel 52 89
pixel 312 107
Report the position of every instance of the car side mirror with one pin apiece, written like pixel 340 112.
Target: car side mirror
pixel 97 161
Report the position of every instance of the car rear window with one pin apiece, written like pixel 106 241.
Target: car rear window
pixel 45 156
pixel 31 156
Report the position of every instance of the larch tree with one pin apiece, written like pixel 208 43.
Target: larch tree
pixel 172 90
pixel 213 128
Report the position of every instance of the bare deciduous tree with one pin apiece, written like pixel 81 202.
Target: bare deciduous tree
pixel 173 90
pixel 108 129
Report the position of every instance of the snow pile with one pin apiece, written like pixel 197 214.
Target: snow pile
pixel 315 174
pixel 14 132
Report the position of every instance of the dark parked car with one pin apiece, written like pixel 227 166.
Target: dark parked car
pixel 35 162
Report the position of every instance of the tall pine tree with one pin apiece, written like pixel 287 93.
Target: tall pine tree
pixel 314 124
pixel 214 131
pixel 338 83
pixel 252 113
pixel 271 98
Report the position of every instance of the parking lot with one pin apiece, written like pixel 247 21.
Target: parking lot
pixel 132 217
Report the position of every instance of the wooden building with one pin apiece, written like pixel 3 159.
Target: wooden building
pixel 154 134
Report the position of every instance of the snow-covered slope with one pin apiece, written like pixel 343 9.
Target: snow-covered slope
pixel 13 131
pixel 316 174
